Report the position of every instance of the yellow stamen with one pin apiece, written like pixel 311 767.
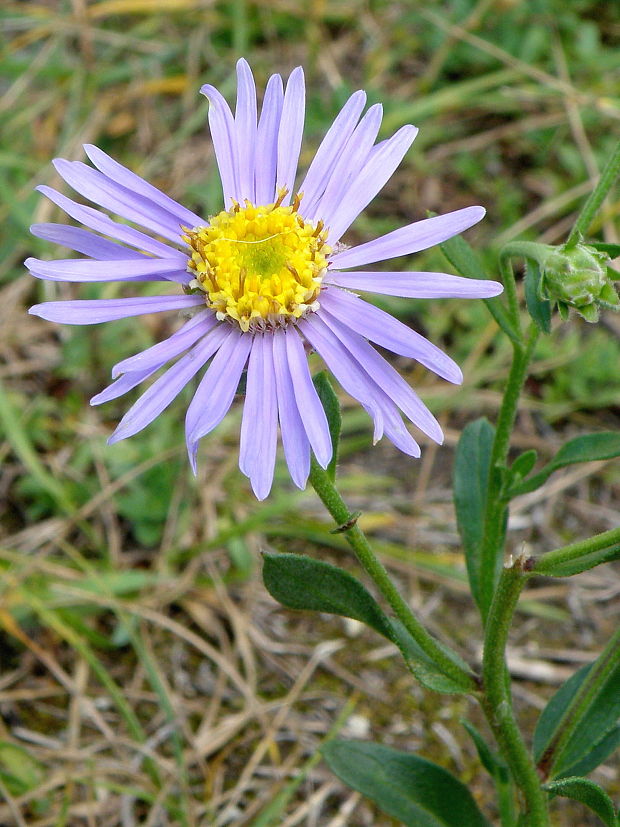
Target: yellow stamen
pixel 260 267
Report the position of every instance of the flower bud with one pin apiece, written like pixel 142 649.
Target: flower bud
pixel 577 277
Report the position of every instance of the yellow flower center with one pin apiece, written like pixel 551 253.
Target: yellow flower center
pixel 259 266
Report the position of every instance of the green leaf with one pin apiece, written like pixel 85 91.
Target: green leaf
pixel 299 582
pixel 423 667
pixel 416 792
pixel 523 464
pixel 464 259
pixel 499 772
pixel 331 406
pixel 471 480
pixel 601 752
pixel 587 448
pixel 566 568
pixel 595 735
pixel 588 793
pixel 538 308
pixel 493 764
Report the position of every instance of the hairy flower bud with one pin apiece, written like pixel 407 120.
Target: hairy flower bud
pixel 577 277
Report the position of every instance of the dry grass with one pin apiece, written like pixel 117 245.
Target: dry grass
pixel 146 676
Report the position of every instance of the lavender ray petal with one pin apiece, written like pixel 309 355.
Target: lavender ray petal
pixel 294 440
pixel 217 388
pixel 370 180
pixel 410 239
pixel 352 158
pixel 123 385
pixel 161 352
pixel 374 324
pixel 388 379
pixel 88 270
pixel 99 221
pixel 267 141
pixel 162 392
pixel 396 431
pixel 245 123
pixel 259 423
pixel 331 146
pixel 128 179
pixel 223 134
pixel 290 132
pixel 101 190
pixel 94 311
pixel 417 285
pixel 347 371
pixel 82 241
pixel 307 399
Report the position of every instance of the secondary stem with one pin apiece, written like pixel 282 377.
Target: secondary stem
pixel 591 207
pixel 497 701
pixel 356 538
pixel 495 508
pixel 576 550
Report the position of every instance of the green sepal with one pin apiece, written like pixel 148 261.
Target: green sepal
pixel 586 448
pixel 331 406
pixel 612 250
pixel 416 792
pixel 588 793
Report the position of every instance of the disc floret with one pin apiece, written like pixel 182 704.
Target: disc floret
pixel 259 266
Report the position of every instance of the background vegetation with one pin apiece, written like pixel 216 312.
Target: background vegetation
pixel 146 677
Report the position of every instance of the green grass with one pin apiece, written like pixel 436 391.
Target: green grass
pixel 131 681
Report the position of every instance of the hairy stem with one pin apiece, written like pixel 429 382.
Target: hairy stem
pixel 576 550
pixel 325 488
pixel 495 511
pixel 497 700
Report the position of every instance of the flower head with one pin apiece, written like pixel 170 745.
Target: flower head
pixel 262 282
pixel 577 276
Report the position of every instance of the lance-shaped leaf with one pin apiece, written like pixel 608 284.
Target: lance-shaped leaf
pixel 299 582
pixel 412 790
pixel 587 448
pixel 594 726
pixel 588 793
pixel 471 479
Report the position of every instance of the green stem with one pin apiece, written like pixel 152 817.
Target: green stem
pixel 326 490
pixel 585 696
pixel 497 700
pixel 592 205
pixel 495 511
pixel 575 550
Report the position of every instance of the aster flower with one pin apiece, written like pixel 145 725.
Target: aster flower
pixel 262 282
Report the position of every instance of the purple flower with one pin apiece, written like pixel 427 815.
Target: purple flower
pixel 261 282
